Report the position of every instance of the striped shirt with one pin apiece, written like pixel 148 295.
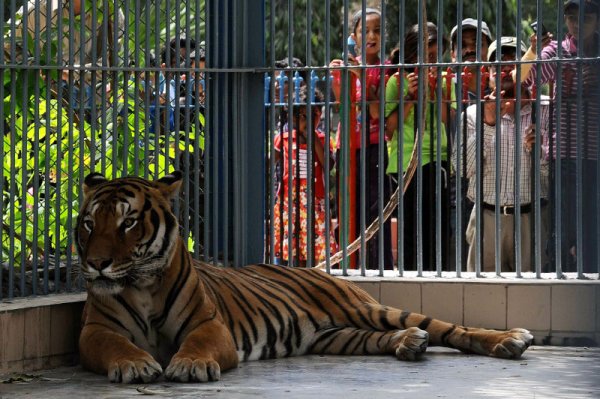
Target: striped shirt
pixel 587 112
pixel 508 147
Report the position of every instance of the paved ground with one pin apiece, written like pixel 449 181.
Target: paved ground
pixel 544 372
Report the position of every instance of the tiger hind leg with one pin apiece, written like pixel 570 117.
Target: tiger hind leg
pixel 509 344
pixel 408 344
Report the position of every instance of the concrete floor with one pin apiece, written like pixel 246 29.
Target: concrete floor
pixel 544 372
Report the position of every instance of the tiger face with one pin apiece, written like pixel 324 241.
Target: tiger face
pixel 125 235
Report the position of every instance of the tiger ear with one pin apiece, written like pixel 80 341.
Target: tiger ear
pixel 92 180
pixel 169 185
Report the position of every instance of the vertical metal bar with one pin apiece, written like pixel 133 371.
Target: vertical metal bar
pixel 292 247
pixel 271 136
pixel 150 85
pixel 36 140
pixel 70 145
pixel 439 238
pixel 499 151
pixel 479 152
pixel 218 138
pixel 94 128
pixel 226 133
pixel 13 183
pixel 47 165
pixel 517 154
pixel 59 156
pixel 557 159
pixel 3 70
pixel 208 138
pixel 459 143
pixel 199 133
pixel 343 149
pixel 536 154
pixel 381 147
pixel 400 131
pixel 135 72
pixel 364 131
pixel 186 156
pixel 310 145
pixel 235 140
pixel 83 102
pixel 579 151
pixel 420 123
pixel 25 153
pixel 328 225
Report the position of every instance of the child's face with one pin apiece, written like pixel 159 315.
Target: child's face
pixel 590 23
pixel 302 116
pixel 372 35
pixel 301 120
pixel 432 54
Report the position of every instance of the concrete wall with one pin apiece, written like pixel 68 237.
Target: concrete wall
pixel 565 313
pixel 41 333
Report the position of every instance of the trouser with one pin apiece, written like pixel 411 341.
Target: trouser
pixel 506 240
pixel 427 208
pixel 589 239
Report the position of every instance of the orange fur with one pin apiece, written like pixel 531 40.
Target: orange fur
pixel 151 307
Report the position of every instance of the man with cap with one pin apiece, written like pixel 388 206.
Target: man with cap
pixel 499 133
pixel 195 82
pixel 474 36
pixel 466 51
pixel 575 131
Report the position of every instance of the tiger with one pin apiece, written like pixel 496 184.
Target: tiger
pixel 153 311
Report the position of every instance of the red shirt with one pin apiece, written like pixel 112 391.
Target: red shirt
pixel 282 140
pixel 373 76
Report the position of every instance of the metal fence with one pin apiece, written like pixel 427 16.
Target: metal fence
pixel 225 91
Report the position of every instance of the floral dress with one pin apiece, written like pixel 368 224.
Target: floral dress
pixel 300 200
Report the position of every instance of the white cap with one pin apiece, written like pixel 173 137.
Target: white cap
pixel 470 23
pixel 505 41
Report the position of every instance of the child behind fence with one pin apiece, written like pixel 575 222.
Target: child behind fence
pixel 297 178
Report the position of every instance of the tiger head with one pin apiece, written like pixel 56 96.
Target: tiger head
pixel 126 231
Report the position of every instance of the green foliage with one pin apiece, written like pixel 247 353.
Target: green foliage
pixel 49 141
pixel 396 12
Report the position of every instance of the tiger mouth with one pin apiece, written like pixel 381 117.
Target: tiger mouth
pixel 105 285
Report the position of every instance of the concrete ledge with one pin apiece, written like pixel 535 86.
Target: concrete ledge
pixel 43 332
pixel 559 312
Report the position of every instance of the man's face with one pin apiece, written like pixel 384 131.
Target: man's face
pixel 501 76
pixel 589 21
pixel 469 46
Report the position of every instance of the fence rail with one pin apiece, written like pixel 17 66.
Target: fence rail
pixel 141 88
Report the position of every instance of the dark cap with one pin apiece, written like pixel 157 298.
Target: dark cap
pixel 590 6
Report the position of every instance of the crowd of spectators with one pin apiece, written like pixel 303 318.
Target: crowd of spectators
pixel 511 132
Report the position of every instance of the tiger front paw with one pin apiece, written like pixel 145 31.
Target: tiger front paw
pixel 134 370
pixel 186 369
pixel 412 343
pixel 513 344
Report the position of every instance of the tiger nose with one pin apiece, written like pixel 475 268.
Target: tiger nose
pixel 99 263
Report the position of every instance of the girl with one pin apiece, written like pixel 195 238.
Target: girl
pixel 372 48
pixel 298 179
pixel 429 153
